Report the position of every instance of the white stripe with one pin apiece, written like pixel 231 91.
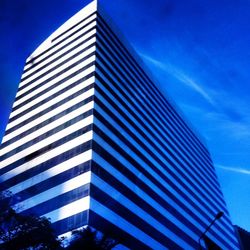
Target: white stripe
pixel 59 69
pixel 48 127
pixel 91 25
pixel 53 171
pixel 103 163
pixel 59 53
pixel 49 114
pixel 120 222
pixel 48 155
pixel 51 193
pixel 51 83
pixel 160 138
pixel 138 191
pixel 57 136
pixel 69 210
pixel 60 60
pixel 59 98
pixel 47 94
pixel 53 91
pixel 69 32
pixel 60 108
pixel 120 198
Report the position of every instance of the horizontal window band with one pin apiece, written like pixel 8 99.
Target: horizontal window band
pixel 54 107
pixel 59 201
pixel 134 219
pixel 99 171
pixel 134 163
pixel 53 181
pixel 46 135
pixel 47 148
pixel 71 223
pixel 46 100
pixel 55 67
pixel 97 101
pixel 120 60
pixel 130 89
pixel 44 166
pixel 152 88
pixel 56 44
pixel 129 240
pixel 88 76
pixel 72 27
pixel 122 102
pixel 48 121
pixel 60 73
pixel 133 62
pixel 140 202
pixel 47 61
pixel 58 50
pixel 134 148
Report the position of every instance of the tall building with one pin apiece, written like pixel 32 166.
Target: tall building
pixel 91 140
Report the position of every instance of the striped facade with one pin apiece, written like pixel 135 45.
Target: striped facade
pixel 91 140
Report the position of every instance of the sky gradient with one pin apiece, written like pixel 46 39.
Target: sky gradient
pixel 197 50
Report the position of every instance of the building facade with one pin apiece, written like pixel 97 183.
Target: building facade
pixel 91 140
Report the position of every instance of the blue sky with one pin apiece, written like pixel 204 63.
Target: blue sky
pixel 198 50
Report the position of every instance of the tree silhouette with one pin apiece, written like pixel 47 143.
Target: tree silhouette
pixel 88 239
pixel 19 231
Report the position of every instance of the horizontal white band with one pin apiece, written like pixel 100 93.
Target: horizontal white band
pixel 51 193
pixel 54 74
pixel 53 138
pixel 48 127
pixel 53 171
pixel 69 210
pixel 60 52
pixel 48 155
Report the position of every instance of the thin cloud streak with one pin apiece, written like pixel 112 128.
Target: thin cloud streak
pixel 234 169
pixel 182 77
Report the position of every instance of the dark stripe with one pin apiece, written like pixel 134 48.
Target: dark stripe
pixel 52 87
pixel 45 165
pixel 46 135
pixel 55 59
pixel 133 162
pixel 58 50
pixel 106 176
pixel 71 223
pixel 72 27
pixel 137 80
pixel 51 97
pixel 56 44
pixel 45 111
pixel 44 123
pixel 59 201
pixel 149 84
pixel 141 121
pixel 60 73
pixel 55 67
pixel 115 232
pixel 53 181
pixel 135 220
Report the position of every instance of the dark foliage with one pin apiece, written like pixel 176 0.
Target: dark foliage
pixel 88 239
pixel 20 232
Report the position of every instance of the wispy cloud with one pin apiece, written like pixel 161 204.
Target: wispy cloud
pixel 234 169
pixel 181 76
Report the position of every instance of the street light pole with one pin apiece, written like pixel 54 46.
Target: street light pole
pixel 218 216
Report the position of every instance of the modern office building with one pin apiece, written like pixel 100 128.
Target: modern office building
pixel 91 140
